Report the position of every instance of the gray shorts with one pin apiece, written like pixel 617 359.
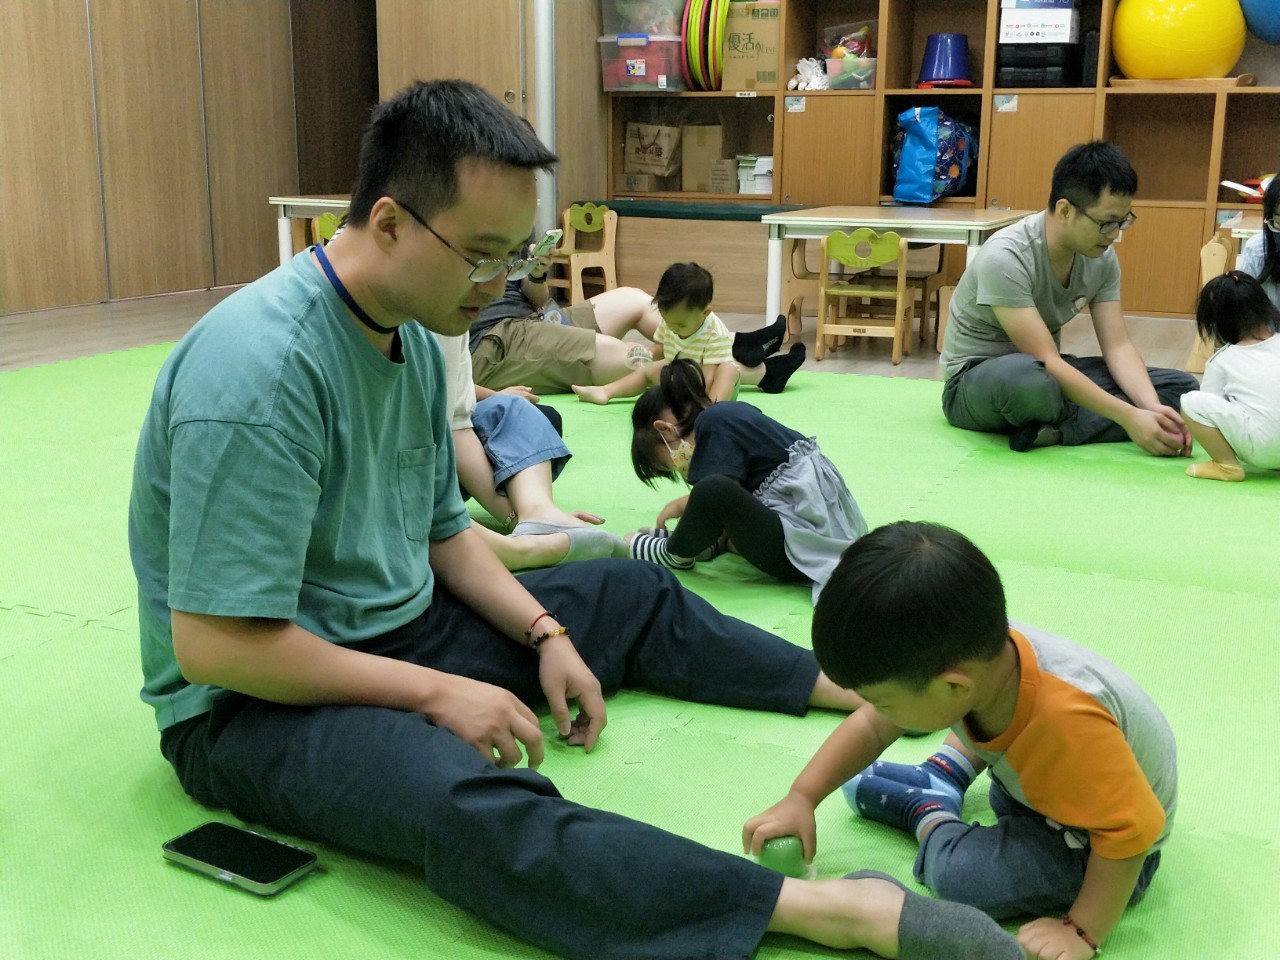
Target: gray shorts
pixel 546 356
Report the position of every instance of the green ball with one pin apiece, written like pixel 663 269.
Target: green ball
pixel 786 855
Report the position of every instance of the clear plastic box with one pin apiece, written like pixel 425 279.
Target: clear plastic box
pixel 661 17
pixel 852 73
pixel 637 61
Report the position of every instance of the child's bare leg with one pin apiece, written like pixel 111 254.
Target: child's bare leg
pixel 624 309
pixel 723 382
pixel 751 376
pixel 631 385
pixel 1225 465
pixel 530 494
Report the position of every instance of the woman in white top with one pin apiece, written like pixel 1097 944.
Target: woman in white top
pixel 1261 254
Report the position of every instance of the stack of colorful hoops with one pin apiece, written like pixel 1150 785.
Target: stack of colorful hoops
pixel 702 32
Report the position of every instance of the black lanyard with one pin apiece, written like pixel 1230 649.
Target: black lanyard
pixel 342 292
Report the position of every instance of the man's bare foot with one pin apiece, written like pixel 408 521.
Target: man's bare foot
pixel 592 394
pixel 844 914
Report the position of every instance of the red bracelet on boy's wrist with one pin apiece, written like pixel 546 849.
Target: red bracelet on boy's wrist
pixel 1082 934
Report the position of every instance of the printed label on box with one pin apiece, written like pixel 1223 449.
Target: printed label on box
pixel 635 68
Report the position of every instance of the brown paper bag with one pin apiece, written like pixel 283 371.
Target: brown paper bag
pixel 651 148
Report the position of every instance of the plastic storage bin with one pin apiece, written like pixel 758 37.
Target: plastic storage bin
pixel 852 73
pixel 654 17
pixel 637 61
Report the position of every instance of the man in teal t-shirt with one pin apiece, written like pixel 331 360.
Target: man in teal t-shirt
pixel 331 650
pixel 1001 352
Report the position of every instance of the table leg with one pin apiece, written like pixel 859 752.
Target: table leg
pixel 773 277
pixel 284 240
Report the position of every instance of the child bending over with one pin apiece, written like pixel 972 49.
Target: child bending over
pixel 1235 415
pixel 1082 761
pixel 688 329
pixel 756 487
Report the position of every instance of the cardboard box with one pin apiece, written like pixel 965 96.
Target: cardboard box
pixel 1039 26
pixel 724 176
pixel 751 46
pixel 643 183
pixel 702 146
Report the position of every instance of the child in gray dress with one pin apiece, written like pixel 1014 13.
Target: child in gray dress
pixel 757 487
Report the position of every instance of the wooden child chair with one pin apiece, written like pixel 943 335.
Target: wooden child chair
pixel 590 232
pixel 1214 257
pixel 879 306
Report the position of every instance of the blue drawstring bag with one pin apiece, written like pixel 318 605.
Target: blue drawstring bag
pixel 932 155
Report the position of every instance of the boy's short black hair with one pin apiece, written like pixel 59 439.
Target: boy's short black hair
pixel 1087 169
pixel 907 602
pixel 1234 306
pixel 685 284
pixel 414 141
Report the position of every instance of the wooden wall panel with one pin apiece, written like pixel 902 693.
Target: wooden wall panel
pixel 1160 260
pixel 438 39
pixel 248 96
pixel 735 251
pixel 51 249
pixel 581 130
pixel 333 39
pixel 146 62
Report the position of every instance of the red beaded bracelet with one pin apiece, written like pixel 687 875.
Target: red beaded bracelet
pixel 1082 934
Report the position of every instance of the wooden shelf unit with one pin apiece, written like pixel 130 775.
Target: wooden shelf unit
pixel 835 146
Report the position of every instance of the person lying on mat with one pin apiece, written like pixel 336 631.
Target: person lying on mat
pixel 581 344
pixel 509 450
pixel 1082 762
pixel 755 486
pixel 689 329
pixel 330 649
pixel 1000 354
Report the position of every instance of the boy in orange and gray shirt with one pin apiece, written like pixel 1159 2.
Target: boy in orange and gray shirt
pixel 1082 762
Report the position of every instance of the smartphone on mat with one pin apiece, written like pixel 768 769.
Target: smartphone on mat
pixel 549 241
pixel 240 857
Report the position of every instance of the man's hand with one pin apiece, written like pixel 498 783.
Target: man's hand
pixel 565 677
pixel 1050 939
pixel 1160 432
pixel 792 816
pixel 672 511
pixel 491 719
pixel 525 393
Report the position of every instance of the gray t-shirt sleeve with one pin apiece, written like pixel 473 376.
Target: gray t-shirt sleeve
pixel 1005 277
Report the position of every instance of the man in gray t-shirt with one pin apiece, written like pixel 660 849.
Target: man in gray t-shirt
pixel 1001 353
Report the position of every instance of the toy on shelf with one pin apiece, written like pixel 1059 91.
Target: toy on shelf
pixel 1177 39
pixel 946 61
pixel 810 75
pixel 851 58
pixel 1263 19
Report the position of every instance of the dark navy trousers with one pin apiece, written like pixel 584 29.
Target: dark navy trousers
pixel 504 844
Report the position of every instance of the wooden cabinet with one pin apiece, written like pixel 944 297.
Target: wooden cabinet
pixel 830 149
pixel 1018 177
pixel 835 147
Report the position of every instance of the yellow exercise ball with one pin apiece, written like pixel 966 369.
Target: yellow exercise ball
pixel 1177 39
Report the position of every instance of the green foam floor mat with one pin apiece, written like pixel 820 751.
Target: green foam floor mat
pixel 1176 580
